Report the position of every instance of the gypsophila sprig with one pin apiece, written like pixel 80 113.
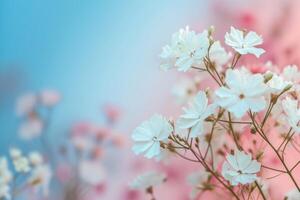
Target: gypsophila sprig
pixel 206 133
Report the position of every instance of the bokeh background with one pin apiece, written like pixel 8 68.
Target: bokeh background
pixel 96 53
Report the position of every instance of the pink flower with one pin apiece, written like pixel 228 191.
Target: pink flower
pixel 49 97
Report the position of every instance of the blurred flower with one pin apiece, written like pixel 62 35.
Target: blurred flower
pixel 147 180
pixel 40 178
pixel 293 195
pixel 291 73
pixel 244 91
pixel 264 187
pixel 240 168
pixel 49 98
pixel 217 54
pixel 277 84
pixel 15 153
pixel 185 90
pixel 292 112
pixel 194 117
pixel 4 191
pixel 244 43
pixel 35 158
pixel 31 128
pixel 187 49
pixel 26 104
pixel 5 179
pixel 148 135
pixel 198 180
pixel 63 172
pixel 92 172
pixel 112 112
pixel 21 164
pixel 5 173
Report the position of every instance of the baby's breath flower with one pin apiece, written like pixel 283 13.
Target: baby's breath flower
pixel 21 165
pixel 198 181
pixel 147 180
pixel 292 112
pixel 149 134
pixel 243 92
pixel 293 195
pixel 35 158
pixel 244 43
pixel 240 168
pixel 195 115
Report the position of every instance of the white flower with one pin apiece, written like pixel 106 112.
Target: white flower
pixel 194 117
pixel 35 158
pixel 277 84
pixel 244 91
pixel 21 164
pixel 26 104
pixel 5 173
pixel 31 128
pixel 244 43
pixel 291 73
pixel 218 55
pixel 4 191
pixel 15 153
pixel 184 90
pixel 240 168
pixel 187 49
pixel 197 181
pixel 49 97
pixel 148 180
pixel 40 179
pixel 292 113
pixel 92 172
pixel 293 195
pixel 264 187
pixel 148 135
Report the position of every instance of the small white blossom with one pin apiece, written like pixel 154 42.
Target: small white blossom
pixel 15 153
pixel 240 168
pixel 35 158
pixel 293 195
pixel 197 180
pixel 292 113
pixel 147 180
pixel 218 55
pixel 5 179
pixel 243 92
pixel 148 135
pixel 4 191
pixel 5 173
pixel 277 83
pixel 244 43
pixel 195 115
pixel 291 73
pixel 187 49
pixel 26 104
pixel 184 90
pixel 31 128
pixel 92 172
pixel 40 179
pixel 21 164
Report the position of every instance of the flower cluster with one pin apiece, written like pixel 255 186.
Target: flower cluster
pixel 36 174
pixel 238 110
pixel 29 107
